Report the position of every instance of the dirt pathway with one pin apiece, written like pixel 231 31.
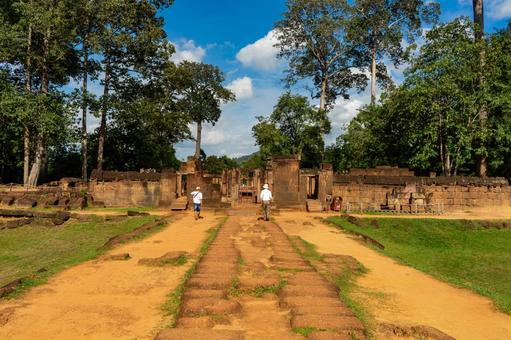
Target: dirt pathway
pixel 252 284
pixel 400 295
pixel 106 299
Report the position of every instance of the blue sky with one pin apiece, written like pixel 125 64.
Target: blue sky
pixel 236 36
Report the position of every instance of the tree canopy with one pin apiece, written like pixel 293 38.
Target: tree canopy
pixel 430 122
pixel 294 127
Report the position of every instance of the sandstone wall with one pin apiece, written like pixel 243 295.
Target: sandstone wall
pixel 126 193
pixel 452 196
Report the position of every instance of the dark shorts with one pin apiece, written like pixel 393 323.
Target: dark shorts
pixel 196 207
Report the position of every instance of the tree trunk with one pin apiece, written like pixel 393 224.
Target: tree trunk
pixel 28 90
pixel 36 166
pixel 322 98
pixel 373 75
pixel 45 85
pixel 447 163
pixel 198 140
pixel 84 106
pixel 478 7
pixel 102 127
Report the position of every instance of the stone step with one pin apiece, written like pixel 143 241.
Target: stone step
pixel 314 206
pixel 179 204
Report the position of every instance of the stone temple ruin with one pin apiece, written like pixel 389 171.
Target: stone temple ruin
pixel 380 189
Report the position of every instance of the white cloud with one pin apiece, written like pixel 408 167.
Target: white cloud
pixel 499 9
pixel 187 50
pixel 232 134
pixel 242 87
pixel 261 55
pixel 496 9
pixel 213 137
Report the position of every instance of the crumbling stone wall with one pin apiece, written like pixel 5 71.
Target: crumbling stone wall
pixel 453 193
pixel 116 189
pixel 126 193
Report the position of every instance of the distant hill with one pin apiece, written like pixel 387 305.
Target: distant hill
pixel 242 159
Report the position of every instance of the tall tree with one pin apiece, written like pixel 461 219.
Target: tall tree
pixel 377 29
pixel 202 93
pixel 294 127
pixel 130 31
pixel 434 112
pixel 482 162
pixel 39 54
pixel 311 36
pixel 16 46
pixel 87 32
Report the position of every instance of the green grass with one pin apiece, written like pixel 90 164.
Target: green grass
pixel 463 253
pixel 26 250
pixel 173 304
pixel 259 291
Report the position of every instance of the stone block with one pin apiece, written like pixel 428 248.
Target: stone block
pixel 26 202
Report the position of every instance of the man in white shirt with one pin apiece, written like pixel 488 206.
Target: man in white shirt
pixel 197 202
pixel 266 198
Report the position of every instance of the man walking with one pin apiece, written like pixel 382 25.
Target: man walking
pixel 266 198
pixel 197 202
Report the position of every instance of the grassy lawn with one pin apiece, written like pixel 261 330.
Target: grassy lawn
pixel 464 253
pixel 26 250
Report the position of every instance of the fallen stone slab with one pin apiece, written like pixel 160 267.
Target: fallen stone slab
pixel 15 213
pixel 16 223
pixel 44 214
pixel 420 331
pixel 117 257
pixel 171 258
pixel 84 217
pixel 61 217
pixel 50 201
pixel 10 287
pixel 198 333
pixel 26 202
pixel 7 200
pixel 78 203
pixel 113 241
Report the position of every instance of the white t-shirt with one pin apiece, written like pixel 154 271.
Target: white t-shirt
pixel 266 195
pixel 197 197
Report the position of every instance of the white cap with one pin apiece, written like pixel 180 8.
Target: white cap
pixel 266 186
pixel 198 188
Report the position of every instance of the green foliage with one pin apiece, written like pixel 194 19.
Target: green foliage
pixel 201 90
pixel 294 127
pixel 254 161
pixel 430 122
pixel 468 254
pixel 379 27
pixel 216 165
pixel 311 38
